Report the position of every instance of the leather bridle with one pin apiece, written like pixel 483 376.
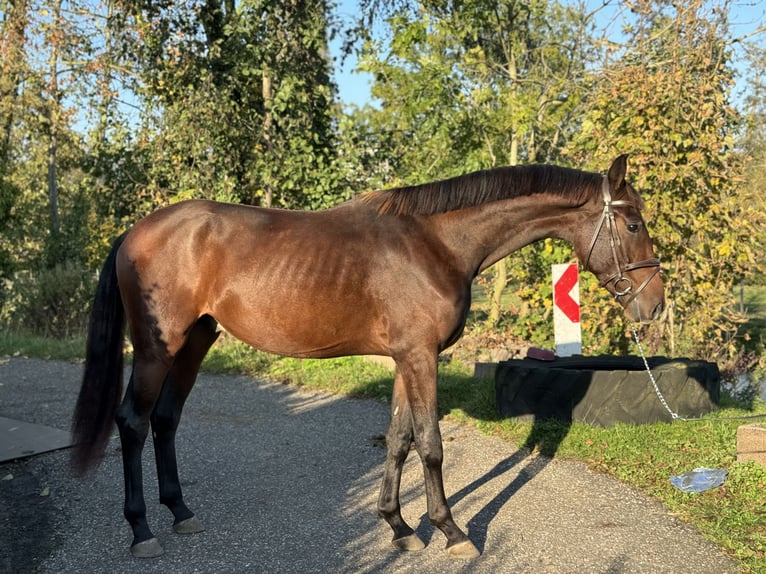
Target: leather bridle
pixel 622 285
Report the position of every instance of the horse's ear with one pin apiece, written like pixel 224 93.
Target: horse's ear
pixel 617 172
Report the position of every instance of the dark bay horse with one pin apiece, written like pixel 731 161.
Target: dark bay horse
pixel 386 273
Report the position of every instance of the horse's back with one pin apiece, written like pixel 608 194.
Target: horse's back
pixel 334 282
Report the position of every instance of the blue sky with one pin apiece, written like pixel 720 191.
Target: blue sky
pixel 745 16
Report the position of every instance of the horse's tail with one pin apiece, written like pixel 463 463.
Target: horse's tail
pixel 101 388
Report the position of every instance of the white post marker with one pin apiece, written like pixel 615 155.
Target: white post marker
pixel 566 310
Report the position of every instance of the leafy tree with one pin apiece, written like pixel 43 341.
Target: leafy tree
pixel 45 73
pixel 666 102
pixel 471 85
pixel 238 100
pixel 753 147
pixel 44 78
pixel 13 31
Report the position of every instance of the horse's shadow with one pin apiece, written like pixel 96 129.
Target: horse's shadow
pixel 538 450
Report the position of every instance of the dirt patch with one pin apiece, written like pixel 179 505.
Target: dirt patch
pixel 487 346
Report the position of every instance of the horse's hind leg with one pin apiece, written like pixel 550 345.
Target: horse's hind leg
pixel 133 423
pixel 167 415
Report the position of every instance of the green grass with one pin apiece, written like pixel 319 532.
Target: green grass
pixel 14 344
pixel 644 456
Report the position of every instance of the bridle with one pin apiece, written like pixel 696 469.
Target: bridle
pixel 622 285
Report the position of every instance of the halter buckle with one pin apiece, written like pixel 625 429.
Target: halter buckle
pixel 622 292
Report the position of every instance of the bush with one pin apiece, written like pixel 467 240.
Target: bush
pixel 52 302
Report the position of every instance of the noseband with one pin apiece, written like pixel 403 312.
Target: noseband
pixel 622 285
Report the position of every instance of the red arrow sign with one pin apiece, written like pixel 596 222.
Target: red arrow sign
pixel 561 297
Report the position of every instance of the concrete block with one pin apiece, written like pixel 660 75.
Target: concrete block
pixel 751 443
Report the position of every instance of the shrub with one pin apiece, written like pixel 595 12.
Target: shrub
pixel 52 302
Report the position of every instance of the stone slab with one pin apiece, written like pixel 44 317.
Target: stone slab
pixel 19 439
pixel 751 443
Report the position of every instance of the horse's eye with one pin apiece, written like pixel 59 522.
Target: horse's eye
pixel 633 227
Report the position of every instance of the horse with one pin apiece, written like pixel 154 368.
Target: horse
pixel 387 272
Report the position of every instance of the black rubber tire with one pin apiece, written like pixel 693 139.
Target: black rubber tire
pixel 605 390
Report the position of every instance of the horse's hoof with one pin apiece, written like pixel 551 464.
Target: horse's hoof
pixel 464 550
pixel 189 526
pixel 409 543
pixel 147 549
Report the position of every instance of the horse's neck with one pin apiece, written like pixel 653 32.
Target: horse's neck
pixel 482 235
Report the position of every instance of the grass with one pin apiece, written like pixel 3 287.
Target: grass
pixel 644 456
pixel 14 344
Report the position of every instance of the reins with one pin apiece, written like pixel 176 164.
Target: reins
pixel 622 285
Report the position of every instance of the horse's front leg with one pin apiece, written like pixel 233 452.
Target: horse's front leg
pixel 418 373
pixel 398 442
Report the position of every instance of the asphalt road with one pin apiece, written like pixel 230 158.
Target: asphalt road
pixel 286 482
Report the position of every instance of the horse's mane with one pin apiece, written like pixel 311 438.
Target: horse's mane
pixel 485 186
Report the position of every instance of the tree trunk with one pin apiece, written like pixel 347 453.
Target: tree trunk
pixel 500 278
pixel 53 116
pixel 12 40
pixel 268 191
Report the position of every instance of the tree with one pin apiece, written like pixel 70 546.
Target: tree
pixel 13 30
pixel 46 71
pixel 111 110
pixel 472 85
pixel 753 147
pixel 665 101
pixel 44 76
pixel 238 100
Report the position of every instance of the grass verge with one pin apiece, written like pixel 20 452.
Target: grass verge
pixel 645 456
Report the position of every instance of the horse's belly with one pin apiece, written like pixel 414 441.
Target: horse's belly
pixel 296 330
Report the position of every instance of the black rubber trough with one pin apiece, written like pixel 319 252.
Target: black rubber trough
pixel 605 390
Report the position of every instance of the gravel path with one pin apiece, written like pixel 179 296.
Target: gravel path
pixel 286 481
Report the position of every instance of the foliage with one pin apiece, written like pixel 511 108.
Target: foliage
pixel 108 111
pixel 753 146
pixel 15 344
pixel 666 102
pixel 49 68
pixel 238 100
pixel 146 103
pixel 52 302
pixel 473 85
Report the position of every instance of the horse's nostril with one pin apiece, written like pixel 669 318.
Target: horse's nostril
pixel 658 310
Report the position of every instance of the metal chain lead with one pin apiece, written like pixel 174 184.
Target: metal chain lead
pixel 674 415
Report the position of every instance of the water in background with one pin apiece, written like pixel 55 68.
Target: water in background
pixel 745 385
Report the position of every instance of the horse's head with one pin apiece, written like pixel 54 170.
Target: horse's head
pixel 616 247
